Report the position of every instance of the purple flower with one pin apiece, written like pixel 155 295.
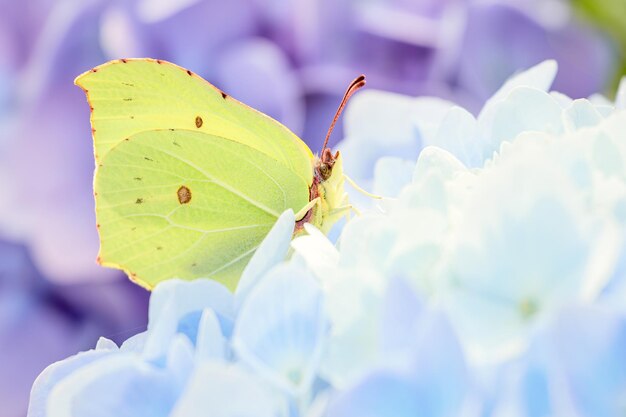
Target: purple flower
pixel 41 323
pixel 500 39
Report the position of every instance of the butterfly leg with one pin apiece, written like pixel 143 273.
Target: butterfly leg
pixel 316 201
pixel 340 210
pixel 361 190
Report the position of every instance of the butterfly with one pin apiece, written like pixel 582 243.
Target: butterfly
pixel 189 181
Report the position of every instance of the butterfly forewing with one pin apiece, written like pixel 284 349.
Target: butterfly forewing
pixel 136 95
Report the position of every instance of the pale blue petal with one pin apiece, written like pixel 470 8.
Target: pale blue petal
pixel 523 388
pixel 457 134
pixel 581 113
pixel 391 175
pixel 135 343
pixel 435 386
pixel 539 77
pixel 377 124
pixel 315 251
pixel 401 310
pixel 600 100
pixel 119 386
pixel 381 394
pixel 55 373
pixel 535 391
pixel 366 242
pixel 427 114
pixel 220 390
pixel 563 100
pixel 591 345
pixel 281 326
pixel 176 307
pixel 511 268
pixel 523 109
pixel 106 344
pixel 434 168
pixel 439 372
pixel 210 343
pixel 436 160
pixel 273 250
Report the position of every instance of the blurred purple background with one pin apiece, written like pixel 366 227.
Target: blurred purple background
pixel 290 59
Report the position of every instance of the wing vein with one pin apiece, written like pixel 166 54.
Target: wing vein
pixel 219 183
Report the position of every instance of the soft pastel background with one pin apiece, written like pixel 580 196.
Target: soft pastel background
pixel 289 58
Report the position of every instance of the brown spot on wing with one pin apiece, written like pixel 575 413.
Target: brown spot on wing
pixel 139 201
pixel 183 194
pixel 198 122
pixel 189 72
pixel 124 60
pixel 224 95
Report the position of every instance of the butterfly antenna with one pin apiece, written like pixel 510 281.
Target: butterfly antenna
pixel 352 88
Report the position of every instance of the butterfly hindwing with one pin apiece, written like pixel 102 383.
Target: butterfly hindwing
pixel 179 203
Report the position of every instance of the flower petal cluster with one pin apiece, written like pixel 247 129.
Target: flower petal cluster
pixel 489 282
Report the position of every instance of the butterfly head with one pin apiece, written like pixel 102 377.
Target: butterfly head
pixel 324 165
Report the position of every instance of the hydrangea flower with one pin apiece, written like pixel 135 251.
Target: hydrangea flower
pixel 489 285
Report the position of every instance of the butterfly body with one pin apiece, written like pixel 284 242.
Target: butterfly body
pixel 188 180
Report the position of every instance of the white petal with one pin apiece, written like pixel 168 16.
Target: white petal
pixel 581 113
pixel 175 299
pixel 280 328
pixel 541 77
pixel 220 390
pixel 391 175
pixel 273 250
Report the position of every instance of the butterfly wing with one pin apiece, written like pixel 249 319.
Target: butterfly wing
pixel 179 203
pixel 135 95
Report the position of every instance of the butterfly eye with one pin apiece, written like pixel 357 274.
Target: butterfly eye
pixel 325 171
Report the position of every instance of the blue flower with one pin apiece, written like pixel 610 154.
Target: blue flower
pixel 283 341
pixel 432 382
pixel 222 390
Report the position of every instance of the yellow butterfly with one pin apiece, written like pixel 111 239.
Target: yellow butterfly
pixel 189 181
